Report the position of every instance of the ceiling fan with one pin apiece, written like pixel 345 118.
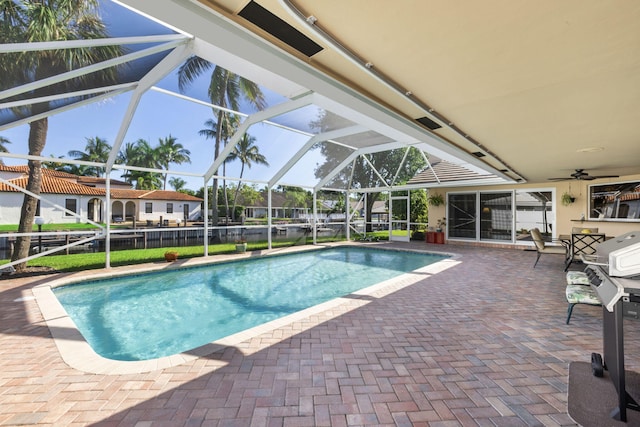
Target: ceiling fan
pixel 581 175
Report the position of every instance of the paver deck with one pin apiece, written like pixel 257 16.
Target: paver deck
pixel 482 343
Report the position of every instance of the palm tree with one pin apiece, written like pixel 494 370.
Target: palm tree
pixel 177 183
pixel 169 151
pixel 3 149
pixel 228 128
pixel 141 154
pixel 97 150
pixel 248 153
pixel 226 89
pixel 24 21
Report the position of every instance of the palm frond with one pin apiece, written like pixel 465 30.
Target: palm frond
pixel 192 68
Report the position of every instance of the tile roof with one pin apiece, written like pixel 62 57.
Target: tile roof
pixel 51 185
pixel 54 186
pixel 92 180
pixel 24 169
pixel 152 195
pixel 57 182
pixel 442 171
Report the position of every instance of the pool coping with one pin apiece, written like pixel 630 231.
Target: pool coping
pixel 78 354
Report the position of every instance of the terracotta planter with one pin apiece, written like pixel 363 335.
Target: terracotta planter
pixel 439 237
pixel 431 237
pixel 170 256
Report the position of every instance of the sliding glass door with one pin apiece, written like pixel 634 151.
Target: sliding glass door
pixel 496 216
pixel 504 216
pixel 462 215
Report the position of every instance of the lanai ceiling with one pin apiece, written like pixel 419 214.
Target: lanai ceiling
pixel 507 91
pixel 541 87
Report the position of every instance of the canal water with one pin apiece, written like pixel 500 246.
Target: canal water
pixel 175 236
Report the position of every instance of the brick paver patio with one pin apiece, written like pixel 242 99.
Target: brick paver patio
pixel 483 343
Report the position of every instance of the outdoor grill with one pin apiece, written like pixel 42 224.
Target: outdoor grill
pixel 614 272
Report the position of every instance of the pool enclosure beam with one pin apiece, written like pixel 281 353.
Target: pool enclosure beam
pixel 258 117
pixel 157 73
pixel 309 144
pixel 28 87
pixel 107 239
pixel 206 217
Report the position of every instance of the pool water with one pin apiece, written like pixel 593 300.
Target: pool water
pixel 157 314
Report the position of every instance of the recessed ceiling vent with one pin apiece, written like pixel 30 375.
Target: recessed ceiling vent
pixel 278 28
pixel 426 121
pixel 478 154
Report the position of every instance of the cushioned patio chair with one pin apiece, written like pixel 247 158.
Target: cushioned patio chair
pixel 579 291
pixel 542 248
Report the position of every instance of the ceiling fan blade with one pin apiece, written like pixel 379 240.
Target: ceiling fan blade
pixel 581 175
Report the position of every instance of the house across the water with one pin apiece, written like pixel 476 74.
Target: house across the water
pixel 68 198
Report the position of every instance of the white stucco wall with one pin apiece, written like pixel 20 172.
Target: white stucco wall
pixel 11 204
pixel 159 208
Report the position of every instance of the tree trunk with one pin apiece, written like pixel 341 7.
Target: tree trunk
pixel 216 153
pixel 37 140
pixel 235 196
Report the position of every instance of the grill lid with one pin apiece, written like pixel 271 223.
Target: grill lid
pixel 623 254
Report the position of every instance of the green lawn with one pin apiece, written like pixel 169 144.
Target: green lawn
pixel 88 261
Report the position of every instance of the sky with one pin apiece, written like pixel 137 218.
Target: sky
pixel 160 115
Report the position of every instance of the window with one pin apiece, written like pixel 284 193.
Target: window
pixel 618 201
pixel 70 205
pixel 148 207
pixel 534 209
pixel 169 207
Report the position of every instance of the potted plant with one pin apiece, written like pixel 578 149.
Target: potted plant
pixel 567 199
pixel 241 246
pixel 435 199
pixel 170 256
pixel 438 236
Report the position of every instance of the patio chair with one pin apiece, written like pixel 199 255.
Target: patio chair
pixel 583 241
pixel 579 291
pixel 542 248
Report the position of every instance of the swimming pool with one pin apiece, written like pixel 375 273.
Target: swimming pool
pixel 158 314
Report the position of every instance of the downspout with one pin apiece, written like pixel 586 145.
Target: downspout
pixel 310 22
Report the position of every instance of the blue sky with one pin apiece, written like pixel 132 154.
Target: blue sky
pixel 158 116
